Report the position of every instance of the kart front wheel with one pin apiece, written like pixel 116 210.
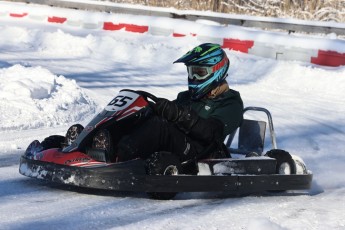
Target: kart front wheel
pixel 72 133
pixel 163 163
pixel 54 141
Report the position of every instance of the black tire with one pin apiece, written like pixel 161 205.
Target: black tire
pixel 54 141
pixel 285 163
pixel 72 133
pixel 163 163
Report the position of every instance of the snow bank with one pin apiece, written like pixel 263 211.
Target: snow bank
pixel 50 43
pixel 33 97
pixel 12 36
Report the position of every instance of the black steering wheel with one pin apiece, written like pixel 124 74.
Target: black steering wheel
pixel 147 95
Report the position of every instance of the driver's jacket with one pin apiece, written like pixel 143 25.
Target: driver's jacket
pixel 214 118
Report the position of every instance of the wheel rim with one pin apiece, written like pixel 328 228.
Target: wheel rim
pixel 101 141
pixel 171 170
pixel 73 135
pixel 284 168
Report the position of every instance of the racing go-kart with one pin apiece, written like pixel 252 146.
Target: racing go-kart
pixel 83 159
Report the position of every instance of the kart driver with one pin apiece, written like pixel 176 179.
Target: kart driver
pixel 197 122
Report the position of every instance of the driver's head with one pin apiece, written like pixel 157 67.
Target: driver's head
pixel 207 66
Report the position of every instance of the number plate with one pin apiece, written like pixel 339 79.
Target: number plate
pixel 122 101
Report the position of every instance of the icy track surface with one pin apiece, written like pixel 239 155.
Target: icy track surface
pixel 52 77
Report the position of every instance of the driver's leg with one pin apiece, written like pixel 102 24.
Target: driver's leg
pixel 153 136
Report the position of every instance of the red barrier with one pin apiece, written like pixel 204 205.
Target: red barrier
pixel 18 15
pixel 178 35
pixel 136 28
pixel 238 45
pixel 324 58
pixel 112 26
pixel 56 19
pixel 182 35
pixel 329 58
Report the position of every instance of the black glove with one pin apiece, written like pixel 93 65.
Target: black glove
pixel 183 116
pixel 187 119
pixel 167 109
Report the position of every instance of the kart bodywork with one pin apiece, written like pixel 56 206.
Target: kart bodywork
pixel 79 164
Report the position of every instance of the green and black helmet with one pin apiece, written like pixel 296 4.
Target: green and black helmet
pixel 207 66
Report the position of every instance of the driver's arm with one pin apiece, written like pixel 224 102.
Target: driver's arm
pixel 188 121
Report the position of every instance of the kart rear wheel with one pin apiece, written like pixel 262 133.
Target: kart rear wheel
pixel 285 164
pixel 163 163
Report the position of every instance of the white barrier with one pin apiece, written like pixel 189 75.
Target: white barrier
pixel 230 19
pixel 321 51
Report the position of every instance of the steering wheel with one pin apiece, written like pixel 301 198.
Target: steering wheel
pixel 147 95
pixel 144 94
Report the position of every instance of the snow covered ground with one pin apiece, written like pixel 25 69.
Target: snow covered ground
pixel 53 76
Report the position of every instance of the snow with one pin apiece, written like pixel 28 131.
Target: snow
pixel 32 97
pixel 203 28
pixel 52 76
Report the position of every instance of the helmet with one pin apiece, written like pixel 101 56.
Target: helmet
pixel 207 66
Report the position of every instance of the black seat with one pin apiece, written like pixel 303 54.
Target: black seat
pixel 251 135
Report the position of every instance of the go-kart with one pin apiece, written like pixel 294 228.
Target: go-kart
pixel 81 158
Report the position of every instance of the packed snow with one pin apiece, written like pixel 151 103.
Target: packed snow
pixel 52 76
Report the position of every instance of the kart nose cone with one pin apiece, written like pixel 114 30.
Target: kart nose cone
pixel 33 149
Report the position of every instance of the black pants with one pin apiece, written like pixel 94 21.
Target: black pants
pixel 154 135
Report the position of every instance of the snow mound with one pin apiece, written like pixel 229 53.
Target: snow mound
pixel 50 43
pixel 33 97
pixel 13 36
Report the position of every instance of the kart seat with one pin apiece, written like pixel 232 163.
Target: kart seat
pixel 251 136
